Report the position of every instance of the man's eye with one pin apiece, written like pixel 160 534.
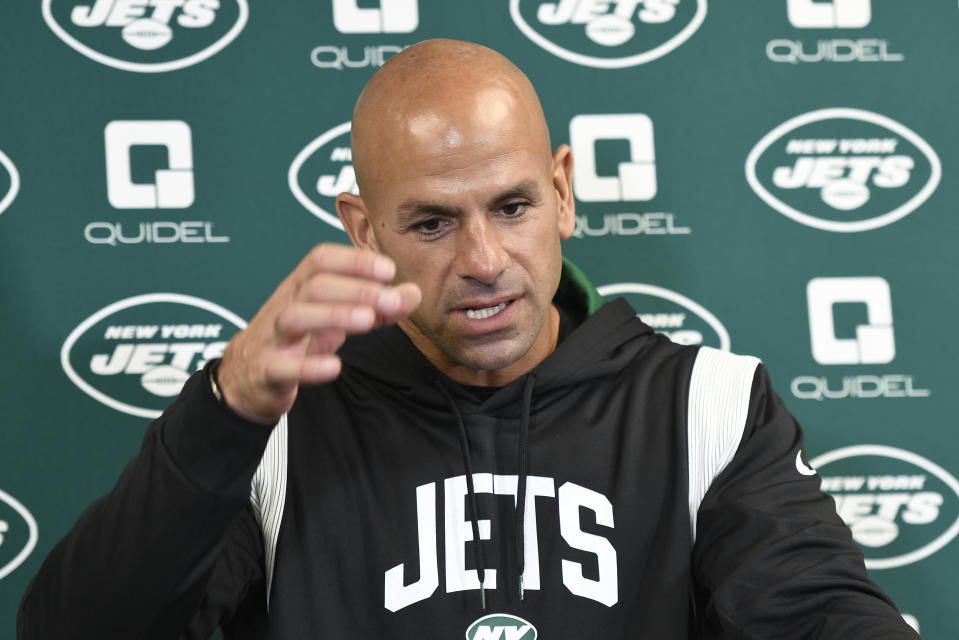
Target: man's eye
pixel 514 208
pixel 433 224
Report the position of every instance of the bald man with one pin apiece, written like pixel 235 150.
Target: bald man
pixel 444 430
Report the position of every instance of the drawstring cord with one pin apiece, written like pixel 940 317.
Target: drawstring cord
pixel 519 526
pixel 478 555
pixel 519 523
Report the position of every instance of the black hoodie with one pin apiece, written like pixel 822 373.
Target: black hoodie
pixel 662 494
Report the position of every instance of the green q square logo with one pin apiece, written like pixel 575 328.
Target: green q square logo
pixel 608 34
pixel 9 182
pixel 843 170
pixel 900 506
pixel 135 354
pixel 146 36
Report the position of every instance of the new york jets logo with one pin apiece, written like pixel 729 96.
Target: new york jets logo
pixel 683 320
pixel 323 170
pixel 146 36
pixel 501 626
pixel 843 170
pixel 18 534
pixel 134 355
pixel 9 182
pixel 609 34
pixel 900 506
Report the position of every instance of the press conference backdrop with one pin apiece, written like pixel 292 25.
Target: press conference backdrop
pixel 773 177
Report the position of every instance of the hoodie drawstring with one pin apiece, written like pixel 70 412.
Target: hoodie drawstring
pixel 519 526
pixel 478 555
pixel 519 523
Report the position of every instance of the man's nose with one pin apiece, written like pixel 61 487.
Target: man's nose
pixel 481 254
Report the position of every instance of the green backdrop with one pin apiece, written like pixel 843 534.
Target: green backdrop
pixel 770 176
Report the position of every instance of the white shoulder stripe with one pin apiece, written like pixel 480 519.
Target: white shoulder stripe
pixel 268 495
pixel 719 391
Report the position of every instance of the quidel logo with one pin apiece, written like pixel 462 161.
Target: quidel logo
pixel 671 313
pixel 874 341
pixel 9 182
pixel 392 16
pixel 616 162
pixel 171 188
pixel 146 36
pixel 501 626
pixel 18 534
pixel 900 506
pixel 323 170
pixel 135 354
pixel 816 14
pixel 609 34
pixel 843 170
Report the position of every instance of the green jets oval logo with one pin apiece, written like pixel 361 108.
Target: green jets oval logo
pixel 843 170
pixel 683 320
pixel 608 34
pixel 501 626
pixel 146 36
pixel 900 506
pixel 323 170
pixel 18 534
pixel 134 355
pixel 9 182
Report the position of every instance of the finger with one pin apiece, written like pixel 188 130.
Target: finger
pixel 325 342
pixel 300 319
pixel 320 369
pixel 327 287
pixel 409 296
pixel 344 260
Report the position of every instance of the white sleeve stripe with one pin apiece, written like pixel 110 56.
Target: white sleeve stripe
pixel 268 495
pixel 719 391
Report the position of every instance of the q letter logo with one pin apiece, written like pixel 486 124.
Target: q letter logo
pixel 171 188
pixel 18 534
pixel 146 36
pixel 874 342
pixel 9 182
pixel 134 355
pixel 392 16
pixel 636 179
pixel 324 169
pixel 842 14
pixel 900 506
pixel 682 320
pixel 608 34
pixel 843 170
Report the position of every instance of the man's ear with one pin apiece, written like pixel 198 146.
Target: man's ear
pixel 563 185
pixel 356 221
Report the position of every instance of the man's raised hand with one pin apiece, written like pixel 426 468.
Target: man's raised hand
pixel 335 291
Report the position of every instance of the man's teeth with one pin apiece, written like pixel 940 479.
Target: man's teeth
pixel 482 314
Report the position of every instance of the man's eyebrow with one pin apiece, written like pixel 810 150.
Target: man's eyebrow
pixel 411 210
pixel 527 189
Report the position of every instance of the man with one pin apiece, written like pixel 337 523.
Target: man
pixel 493 452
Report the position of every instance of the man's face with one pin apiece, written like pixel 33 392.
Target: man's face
pixel 473 214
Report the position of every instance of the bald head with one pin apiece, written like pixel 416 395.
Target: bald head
pixel 441 100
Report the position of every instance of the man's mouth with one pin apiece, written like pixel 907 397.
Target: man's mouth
pixel 488 312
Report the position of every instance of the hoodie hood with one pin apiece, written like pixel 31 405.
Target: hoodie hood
pixel 610 335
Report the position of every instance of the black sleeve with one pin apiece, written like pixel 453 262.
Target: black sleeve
pixel 138 561
pixel 772 559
